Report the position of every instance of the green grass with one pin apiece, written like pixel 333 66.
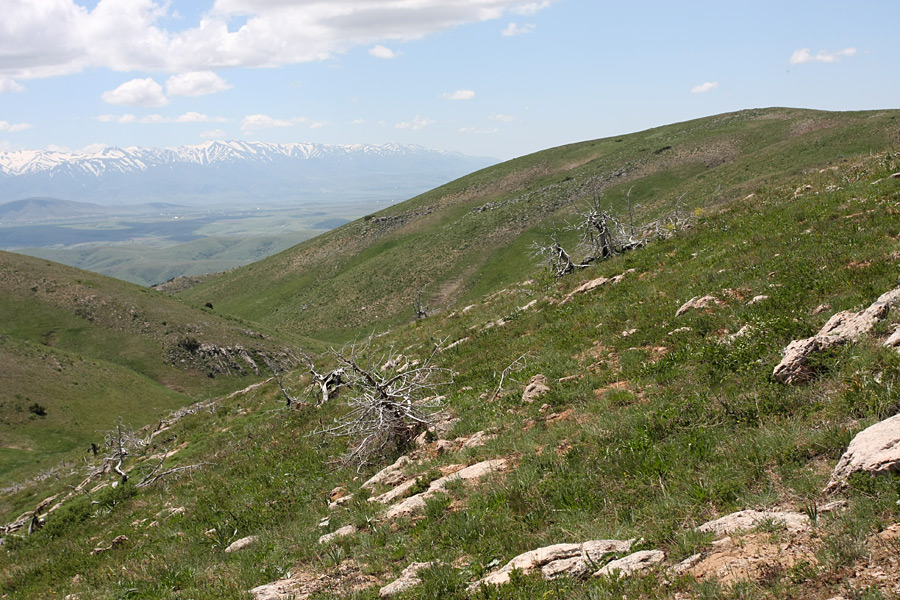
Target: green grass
pixel 366 274
pixel 698 428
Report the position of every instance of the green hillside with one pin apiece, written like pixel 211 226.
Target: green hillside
pixel 91 349
pixel 470 237
pixel 612 413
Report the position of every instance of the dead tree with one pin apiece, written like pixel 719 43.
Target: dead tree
pixel 559 262
pixel 419 305
pixel 675 221
pixel 276 372
pixel 122 442
pixel 387 409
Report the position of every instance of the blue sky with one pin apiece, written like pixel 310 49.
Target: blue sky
pixel 497 78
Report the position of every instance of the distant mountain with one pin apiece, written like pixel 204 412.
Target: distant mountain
pixel 232 171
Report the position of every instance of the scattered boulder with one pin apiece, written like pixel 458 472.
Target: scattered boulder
pixel 698 302
pixel 748 519
pixel 537 387
pixel 874 450
pixel 409 578
pixel 631 564
pixel 845 326
pixel 342 532
pixel 553 561
pixel 757 299
pixel 242 544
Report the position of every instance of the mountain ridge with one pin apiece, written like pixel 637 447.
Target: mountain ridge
pixel 231 170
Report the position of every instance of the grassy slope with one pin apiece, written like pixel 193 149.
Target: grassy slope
pixel 694 428
pixel 365 274
pixel 116 337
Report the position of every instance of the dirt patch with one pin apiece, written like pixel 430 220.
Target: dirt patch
pixel 881 568
pixel 755 557
pixel 344 579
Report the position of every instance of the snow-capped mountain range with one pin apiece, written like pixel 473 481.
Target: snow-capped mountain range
pixel 230 171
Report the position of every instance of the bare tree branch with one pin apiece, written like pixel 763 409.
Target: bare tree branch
pixel 513 367
pixel 388 407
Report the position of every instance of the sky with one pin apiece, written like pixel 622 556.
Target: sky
pixel 498 78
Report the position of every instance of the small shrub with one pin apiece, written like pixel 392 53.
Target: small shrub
pixel 38 409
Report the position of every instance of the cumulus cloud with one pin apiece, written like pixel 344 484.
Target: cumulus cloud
pixel 137 92
pixel 10 85
pixel 417 123
pixel 804 55
pixel 195 83
pixel 516 29
pixel 460 95
pixel 14 127
pixel 502 118
pixel 704 87
pixel 383 52
pixel 254 122
pixel 44 38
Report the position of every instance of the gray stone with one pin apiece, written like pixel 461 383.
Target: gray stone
pixel 241 544
pixel 874 450
pixel 633 563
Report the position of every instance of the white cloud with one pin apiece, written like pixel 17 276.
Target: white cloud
pixel 516 29
pixel 417 123
pixel 195 83
pixel 383 52
pixel 14 127
pixel 460 95
pixel 44 38
pixel 357 121
pixel 195 117
pixel 10 85
pixel 530 8
pixel 137 92
pixel 502 118
pixel 214 134
pixel 156 119
pixel 317 124
pixel 804 55
pixel 704 87
pixel 253 122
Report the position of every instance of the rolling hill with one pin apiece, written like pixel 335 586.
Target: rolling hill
pixel 617 432
pixel 91 349
pixel 472 236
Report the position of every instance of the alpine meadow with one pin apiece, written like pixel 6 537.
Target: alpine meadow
pixel 662 364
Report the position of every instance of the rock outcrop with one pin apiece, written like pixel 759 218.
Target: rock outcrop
pixel 698 302
pixel 575 560
pixel 537 387
pixel 748 519
pixel 474 472
pixel 845 326
pixel 875 450
pixel 631 564
pixel 409 578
